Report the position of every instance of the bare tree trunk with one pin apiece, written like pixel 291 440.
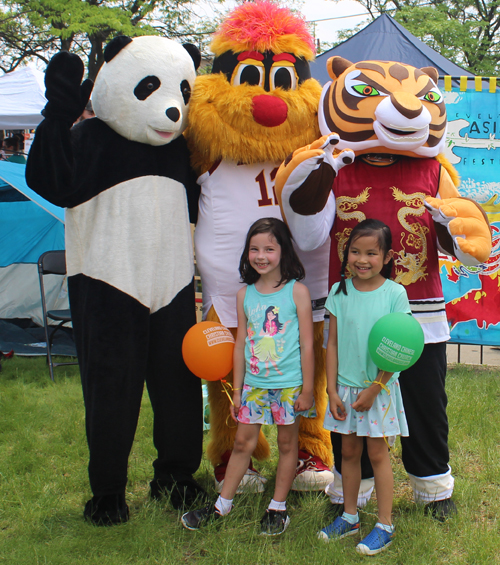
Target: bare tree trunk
pixel 96 55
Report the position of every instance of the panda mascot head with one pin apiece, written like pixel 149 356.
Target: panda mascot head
pixel 143 89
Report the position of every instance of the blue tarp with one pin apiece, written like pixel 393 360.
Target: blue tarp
pixel 29 225
pixel 13 174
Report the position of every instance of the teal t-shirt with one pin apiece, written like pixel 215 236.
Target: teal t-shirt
pixel 272 345
pixel 16 158
pixel 356 314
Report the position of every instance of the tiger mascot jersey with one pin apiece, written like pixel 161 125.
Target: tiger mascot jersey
pixel 257 106
pixel 392 118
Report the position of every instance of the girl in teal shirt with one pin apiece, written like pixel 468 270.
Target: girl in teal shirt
pixel 364 402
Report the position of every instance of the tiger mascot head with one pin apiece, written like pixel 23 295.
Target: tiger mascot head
pixel 384 107
pixel 260 102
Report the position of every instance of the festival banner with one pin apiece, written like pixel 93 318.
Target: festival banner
pixel 472 294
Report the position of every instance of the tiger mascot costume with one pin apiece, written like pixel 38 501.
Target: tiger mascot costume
pixel 258 104
pixel 392 118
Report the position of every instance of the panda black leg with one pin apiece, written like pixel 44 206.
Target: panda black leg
pixel 177 403
pixel 111 332
pixel 107 510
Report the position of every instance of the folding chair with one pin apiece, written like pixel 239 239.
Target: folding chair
pixel 52 263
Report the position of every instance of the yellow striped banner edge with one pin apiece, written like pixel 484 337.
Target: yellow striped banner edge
pixel 463 83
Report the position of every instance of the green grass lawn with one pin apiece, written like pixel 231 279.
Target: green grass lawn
pixel 44 485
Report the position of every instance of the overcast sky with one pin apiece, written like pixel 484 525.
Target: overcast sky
pixel 334 16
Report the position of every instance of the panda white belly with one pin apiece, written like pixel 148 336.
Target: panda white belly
pixel 136 237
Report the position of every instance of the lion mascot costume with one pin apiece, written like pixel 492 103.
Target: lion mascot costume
pixel 257 106
pixel 392 117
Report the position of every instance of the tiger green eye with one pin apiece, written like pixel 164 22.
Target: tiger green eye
pixel 366 90
pixel 433 97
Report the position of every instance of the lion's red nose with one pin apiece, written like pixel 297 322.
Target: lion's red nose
pixel 269 111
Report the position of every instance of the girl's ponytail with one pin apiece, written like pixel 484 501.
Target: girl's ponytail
pixel 387 270
pixel 342 286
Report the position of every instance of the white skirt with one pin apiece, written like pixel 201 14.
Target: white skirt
pixel 384 419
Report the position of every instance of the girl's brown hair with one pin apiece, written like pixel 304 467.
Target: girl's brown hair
pixel 368 227
pixel 290 265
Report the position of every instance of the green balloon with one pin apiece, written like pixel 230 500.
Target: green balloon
pixel 396 341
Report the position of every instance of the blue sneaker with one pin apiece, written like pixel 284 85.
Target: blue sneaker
pixel 338 529
pixel 375 542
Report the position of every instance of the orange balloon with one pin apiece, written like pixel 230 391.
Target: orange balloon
pixel 207 350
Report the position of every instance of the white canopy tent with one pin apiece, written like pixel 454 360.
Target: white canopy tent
pixel 21 99
pixel 29 225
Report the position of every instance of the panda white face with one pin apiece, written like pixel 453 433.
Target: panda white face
pixel 143 92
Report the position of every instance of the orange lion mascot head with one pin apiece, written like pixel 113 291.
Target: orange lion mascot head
pixel 260 102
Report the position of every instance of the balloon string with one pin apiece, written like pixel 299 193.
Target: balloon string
pixel 386 388
pixel 226 388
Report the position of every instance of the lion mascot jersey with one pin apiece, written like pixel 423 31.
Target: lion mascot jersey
pixel 392 118
pixel 258 105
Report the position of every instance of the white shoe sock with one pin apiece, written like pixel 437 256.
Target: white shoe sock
pixel 223 505
pixel 386 527
pixel 275 505
pixel 351 518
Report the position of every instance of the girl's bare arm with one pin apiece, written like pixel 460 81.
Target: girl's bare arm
pixel 302 300
pixel 367 397
pixel 239 353
pixel 332 364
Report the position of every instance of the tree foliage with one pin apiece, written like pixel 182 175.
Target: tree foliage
pixel 464 31
pixel 39 28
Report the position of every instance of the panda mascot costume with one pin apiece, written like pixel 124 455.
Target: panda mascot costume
pixel 392 118
pixel 125 181
pixel 257 106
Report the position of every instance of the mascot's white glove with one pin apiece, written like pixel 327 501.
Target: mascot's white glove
pixel 312 164
pixel 341 159
pixel 465 231
pixel 303 187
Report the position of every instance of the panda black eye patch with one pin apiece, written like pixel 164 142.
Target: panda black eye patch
pixel 146 87
pixel 186 91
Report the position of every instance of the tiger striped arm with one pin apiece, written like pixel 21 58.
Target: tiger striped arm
pixel 462 228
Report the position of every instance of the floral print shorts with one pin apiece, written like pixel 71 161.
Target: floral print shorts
pixel 271 406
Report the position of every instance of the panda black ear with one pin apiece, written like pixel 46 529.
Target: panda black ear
pixel 115 46
pixel 194 52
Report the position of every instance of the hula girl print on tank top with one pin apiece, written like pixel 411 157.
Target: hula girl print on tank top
pixel 267 349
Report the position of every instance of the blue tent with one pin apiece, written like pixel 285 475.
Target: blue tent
pixel 29 225
pixel 384 39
